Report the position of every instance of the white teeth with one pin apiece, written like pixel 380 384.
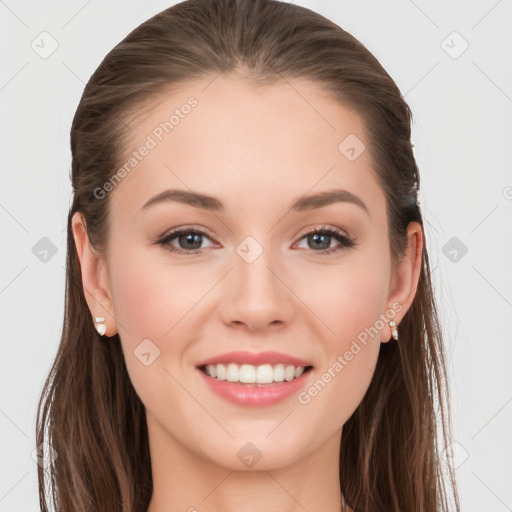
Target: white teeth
pixel 221 371
pixel 289 373
pixel 265 374
pixel 232 373
pixel 247 373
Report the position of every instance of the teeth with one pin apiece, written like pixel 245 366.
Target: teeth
pixel 247 373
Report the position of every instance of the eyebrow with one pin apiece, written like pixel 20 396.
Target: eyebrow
pixel 310 202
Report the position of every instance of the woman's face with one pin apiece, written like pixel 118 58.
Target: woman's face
pixel 256 273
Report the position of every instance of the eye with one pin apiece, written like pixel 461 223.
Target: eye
pixel 322 238
pixel 188 239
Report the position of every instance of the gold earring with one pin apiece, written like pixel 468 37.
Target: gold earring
pixel 394 329
pixel 101 328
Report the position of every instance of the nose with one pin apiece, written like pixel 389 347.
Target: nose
pixel 256 295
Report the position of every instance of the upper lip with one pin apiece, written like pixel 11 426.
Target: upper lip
pixel 255 359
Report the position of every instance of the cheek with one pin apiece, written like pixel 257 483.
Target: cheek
pixel 351 310
pixel 137 294
pixel 350 302
pixel 161 303
pixel 349 299
pixel 150 299
pixel 151 306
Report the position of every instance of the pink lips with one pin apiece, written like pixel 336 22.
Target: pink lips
pixel 255 358
pixel 256 395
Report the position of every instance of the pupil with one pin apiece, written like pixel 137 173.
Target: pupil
pixel 317 236
pixel 189 238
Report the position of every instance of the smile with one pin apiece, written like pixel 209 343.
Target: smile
pixel 251 374
pixel 268 384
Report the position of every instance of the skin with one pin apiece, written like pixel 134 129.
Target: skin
pixel 256 149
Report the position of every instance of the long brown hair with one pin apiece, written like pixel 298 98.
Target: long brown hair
pixel 390 460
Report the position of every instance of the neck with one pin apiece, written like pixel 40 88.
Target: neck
pixel 185 480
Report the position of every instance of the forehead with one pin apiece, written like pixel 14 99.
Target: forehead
pixel 250 143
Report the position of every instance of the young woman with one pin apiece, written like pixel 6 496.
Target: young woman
pixel 250 321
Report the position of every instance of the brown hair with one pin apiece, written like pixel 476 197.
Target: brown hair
pixel 389 459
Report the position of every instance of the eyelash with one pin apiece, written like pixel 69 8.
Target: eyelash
pixel 346 241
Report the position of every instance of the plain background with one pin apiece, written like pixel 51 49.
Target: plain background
pixel 452 61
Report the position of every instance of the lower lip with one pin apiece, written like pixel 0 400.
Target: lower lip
pixel 253 394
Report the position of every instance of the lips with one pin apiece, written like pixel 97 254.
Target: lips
pixel 255 358
pixel 256 395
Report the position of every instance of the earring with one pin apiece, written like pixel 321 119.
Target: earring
pixel 394 329
pixel 101 328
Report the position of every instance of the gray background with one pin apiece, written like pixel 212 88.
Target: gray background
pixel 461 99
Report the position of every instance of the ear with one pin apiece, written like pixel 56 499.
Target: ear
pixel 404 282
pixel 94 277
